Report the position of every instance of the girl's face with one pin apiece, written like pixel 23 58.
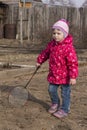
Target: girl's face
pixel 58 35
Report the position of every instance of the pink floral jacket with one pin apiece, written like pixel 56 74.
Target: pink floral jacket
pixel 63 63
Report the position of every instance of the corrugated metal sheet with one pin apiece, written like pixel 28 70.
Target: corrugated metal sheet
pixel 18 0
pixel 26 0
pixel 9 1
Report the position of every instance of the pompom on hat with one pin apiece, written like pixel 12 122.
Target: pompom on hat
pixel 63 26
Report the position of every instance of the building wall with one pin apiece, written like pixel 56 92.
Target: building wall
pixel 38 20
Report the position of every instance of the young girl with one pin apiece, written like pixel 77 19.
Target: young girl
pixel 63 67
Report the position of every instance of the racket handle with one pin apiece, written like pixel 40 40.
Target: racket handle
pixel 32 76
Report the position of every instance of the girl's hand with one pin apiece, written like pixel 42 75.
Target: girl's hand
pixel 38 65
pixel 72 81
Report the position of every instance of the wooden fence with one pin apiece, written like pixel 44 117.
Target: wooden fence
pixel 38 20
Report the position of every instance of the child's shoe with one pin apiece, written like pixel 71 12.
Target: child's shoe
pixel 53 108
pixel 60 114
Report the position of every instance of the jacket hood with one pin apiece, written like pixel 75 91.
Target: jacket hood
pixel 68 39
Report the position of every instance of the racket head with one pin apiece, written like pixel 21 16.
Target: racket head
pixel 18 96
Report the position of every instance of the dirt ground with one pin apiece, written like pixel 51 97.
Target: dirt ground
pixel 33 115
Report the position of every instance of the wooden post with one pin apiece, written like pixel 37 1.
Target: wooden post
pixel 12 12
pixel 28 25
pixel 21 27
pixel 24 4
pixel 29 14
pixel 12 15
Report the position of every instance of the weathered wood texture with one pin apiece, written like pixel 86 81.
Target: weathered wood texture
pixel 38 19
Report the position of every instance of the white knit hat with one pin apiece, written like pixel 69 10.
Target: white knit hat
pixel 63 26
